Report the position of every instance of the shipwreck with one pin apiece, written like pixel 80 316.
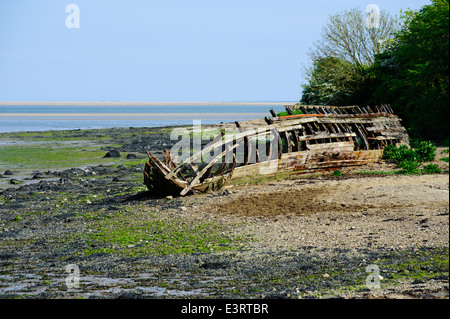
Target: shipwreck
pixel 308 140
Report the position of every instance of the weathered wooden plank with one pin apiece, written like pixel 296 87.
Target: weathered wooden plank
pixel 247 144
pixel 207 174
pixel 362 136
pixel 326 135
pixel 331 146
pixel 397 130
pixel 354 120
pixel 289 111
pixel 376 127
pixel 203 171
pixel 253 170
pixel 313 161
pixel 297 140
pixel 382 138
pixel 389 133
pixel 288 128
pixel 207 149
pixel 268 120
pixel 304 111
pixel 300 119
pixel 158 163
pixel 280 148
pixel 291 139
pixel 221 168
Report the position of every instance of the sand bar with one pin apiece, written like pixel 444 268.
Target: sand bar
pixel 143 103
pixel 134 115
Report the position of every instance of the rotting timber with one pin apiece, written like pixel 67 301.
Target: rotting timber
pixel 319 139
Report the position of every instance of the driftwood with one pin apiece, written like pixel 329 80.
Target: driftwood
pixel 321 139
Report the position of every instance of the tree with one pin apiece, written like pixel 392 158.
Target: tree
pixel 342 58
pixel 350 37
pixel 413 75
pixel 331 82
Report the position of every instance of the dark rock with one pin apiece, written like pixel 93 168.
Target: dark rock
pixel 8 172
pixel 131 156
pixel 38 176
pixel 14 181
pixel 215 265
pixel 112 153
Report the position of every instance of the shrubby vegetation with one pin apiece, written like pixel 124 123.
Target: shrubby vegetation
pixel 410 159
pixel 402 64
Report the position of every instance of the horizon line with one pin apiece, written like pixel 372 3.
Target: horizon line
pixel 46 103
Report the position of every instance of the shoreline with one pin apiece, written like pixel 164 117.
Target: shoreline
pixel 154 114
pixel 226 122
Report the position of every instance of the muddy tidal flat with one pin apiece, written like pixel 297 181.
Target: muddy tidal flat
pixel 68 210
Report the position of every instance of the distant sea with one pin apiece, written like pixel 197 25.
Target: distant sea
pixel 70 116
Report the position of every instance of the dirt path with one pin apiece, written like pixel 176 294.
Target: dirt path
pixel 391 211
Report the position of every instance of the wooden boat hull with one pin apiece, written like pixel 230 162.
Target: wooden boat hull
pixel 332 138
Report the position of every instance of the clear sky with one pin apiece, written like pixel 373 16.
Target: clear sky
pixel 171 50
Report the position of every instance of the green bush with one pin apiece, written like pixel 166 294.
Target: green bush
pixel 409 159
pixel 389 151
pixel 286 113
pixel 431 169
pixel 399 154
pixel 337 173
pixel 425 151
pixel 409 167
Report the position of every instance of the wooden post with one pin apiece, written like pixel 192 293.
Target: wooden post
pixel 288 110
pixel 268 121
pixel 247 144
pixel 280 146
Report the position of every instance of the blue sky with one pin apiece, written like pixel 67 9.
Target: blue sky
pixel 173 50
